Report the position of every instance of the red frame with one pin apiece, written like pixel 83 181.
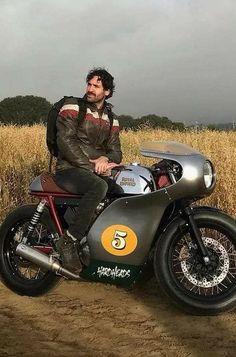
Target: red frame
pixel 49 197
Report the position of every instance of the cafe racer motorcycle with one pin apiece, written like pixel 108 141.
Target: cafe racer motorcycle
pixel 150 217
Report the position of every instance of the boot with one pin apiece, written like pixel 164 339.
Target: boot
pixel 84 251
pixel 68 249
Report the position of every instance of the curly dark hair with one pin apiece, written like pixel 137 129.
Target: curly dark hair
pixel 105 77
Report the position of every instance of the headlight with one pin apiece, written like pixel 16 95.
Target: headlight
pixel 208 174
pixel 190 172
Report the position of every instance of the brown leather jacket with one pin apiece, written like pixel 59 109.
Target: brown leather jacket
pixel 89 139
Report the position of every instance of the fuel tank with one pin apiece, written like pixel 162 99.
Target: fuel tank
pixel 135 179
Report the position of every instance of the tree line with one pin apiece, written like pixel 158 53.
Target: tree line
pixel 30 109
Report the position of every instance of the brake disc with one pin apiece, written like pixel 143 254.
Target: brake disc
pixel 221 271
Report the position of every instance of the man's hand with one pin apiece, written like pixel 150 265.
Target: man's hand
pixel 102 167
pixel 110 166
pixel 100 164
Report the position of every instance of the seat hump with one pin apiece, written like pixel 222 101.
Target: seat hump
pixel 45 183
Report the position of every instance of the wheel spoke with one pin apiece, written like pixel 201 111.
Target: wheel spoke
pixel 37 274
pixel 194 275
pixel 22 267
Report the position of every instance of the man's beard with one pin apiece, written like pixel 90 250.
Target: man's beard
pixel 94 99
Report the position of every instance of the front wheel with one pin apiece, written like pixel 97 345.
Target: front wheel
pixel 193 286
pixel 17 273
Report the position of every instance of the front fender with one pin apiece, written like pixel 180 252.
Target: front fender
pixel 201 212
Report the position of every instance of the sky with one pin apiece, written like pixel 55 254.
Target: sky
pixel 174 58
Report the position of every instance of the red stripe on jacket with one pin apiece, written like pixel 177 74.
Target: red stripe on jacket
pixel 99 121
pixel 102 122
pixel 115 129
pixel 71 113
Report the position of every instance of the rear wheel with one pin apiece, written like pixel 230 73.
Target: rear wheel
pixel 17 273
pixel 195 287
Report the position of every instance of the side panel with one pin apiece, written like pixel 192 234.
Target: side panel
pixel 124 231
pixel 109 272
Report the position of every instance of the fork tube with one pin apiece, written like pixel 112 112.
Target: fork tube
pixel 196 234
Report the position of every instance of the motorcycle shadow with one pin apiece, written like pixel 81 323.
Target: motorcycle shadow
pixel 194 335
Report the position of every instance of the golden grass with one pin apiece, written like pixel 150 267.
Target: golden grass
pixel 24 155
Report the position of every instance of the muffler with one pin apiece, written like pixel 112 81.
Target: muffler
pixel 43 260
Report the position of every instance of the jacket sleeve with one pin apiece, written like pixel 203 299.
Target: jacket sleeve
pixel 113 147
pixel 67 140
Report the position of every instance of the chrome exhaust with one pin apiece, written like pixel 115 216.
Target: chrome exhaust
pixel 43 260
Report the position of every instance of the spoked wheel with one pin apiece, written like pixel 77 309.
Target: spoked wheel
pixel 18 274
pixel 40 239
pixel 191 272
pixel 194 286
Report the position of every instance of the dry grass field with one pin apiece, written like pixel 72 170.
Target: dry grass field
pixel 92 319
pixel 23 155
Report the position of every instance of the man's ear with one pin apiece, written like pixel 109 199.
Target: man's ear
pixel 107 92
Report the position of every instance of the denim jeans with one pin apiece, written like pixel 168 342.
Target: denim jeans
pixel 93 188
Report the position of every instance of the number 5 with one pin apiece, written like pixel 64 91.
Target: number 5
pixel 119 240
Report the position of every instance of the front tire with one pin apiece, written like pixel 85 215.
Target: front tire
pixel 18 274
pixel 194 287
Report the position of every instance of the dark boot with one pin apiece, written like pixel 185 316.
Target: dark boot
pixel 84 251
pixel 68 249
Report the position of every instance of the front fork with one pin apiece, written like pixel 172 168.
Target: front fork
pixel 196 233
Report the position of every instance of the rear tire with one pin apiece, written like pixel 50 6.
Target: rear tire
pixel 18 274
pixel 192 286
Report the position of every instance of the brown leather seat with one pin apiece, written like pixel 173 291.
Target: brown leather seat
pixel 49 185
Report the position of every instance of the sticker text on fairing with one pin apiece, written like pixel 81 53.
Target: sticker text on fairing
pixel 113 273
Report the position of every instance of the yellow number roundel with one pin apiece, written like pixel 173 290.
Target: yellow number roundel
pixel 119 240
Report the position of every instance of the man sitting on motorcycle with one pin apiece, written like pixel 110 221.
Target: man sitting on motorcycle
pixel 87 151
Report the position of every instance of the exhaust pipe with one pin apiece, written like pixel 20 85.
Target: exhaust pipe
pixel 43 260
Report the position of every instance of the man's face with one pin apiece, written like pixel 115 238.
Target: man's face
pixel 95 92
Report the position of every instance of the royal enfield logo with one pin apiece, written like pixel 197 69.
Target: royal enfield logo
pixel 119 240
pixel 127 181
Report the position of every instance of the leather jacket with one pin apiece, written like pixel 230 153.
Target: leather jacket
pixel 89 139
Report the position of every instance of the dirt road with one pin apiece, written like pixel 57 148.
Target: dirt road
pixel 88 319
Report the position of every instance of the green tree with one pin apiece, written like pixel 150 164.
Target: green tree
pixel 212 127
pixel 126 121
pixel 153 121
pixel 178 126
pixel 24 110
pixel 149 120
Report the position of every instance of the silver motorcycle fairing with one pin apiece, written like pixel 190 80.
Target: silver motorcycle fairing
pixel 143 213
pixel 191 184
pixel 167 149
